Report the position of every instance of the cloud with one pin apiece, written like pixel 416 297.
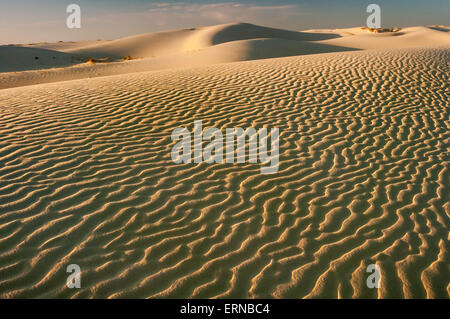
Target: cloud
pixel 215 13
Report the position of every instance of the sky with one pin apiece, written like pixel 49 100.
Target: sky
pixel 31 21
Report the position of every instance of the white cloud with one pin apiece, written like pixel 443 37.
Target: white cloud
pixel 170 14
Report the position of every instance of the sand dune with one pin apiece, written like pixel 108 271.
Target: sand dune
pixel 86 177
pixel 181 41
pixel 195 47
pixel 405 38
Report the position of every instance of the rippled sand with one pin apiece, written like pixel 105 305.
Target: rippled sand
pixel 86 178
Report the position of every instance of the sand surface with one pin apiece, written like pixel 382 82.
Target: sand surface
pixel 86 177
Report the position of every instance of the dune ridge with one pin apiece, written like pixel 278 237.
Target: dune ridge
pixel 86 178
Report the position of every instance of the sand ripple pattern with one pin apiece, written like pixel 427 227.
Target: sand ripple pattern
pixel 86 178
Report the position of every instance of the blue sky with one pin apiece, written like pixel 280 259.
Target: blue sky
pixel 26 21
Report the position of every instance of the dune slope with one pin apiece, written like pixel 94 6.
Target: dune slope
pixel 86 177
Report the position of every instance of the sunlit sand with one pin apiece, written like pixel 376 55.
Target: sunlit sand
pixel 86 175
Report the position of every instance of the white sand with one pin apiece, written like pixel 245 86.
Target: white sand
pixel 86 175
pixel 194 47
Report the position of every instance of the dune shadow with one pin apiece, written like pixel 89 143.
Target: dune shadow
pixel 439 29
pixel 277 48
pixel 17 58
pixel 247 31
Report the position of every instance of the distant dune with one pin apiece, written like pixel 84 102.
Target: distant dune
pixel 86 175
pixel 193 47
